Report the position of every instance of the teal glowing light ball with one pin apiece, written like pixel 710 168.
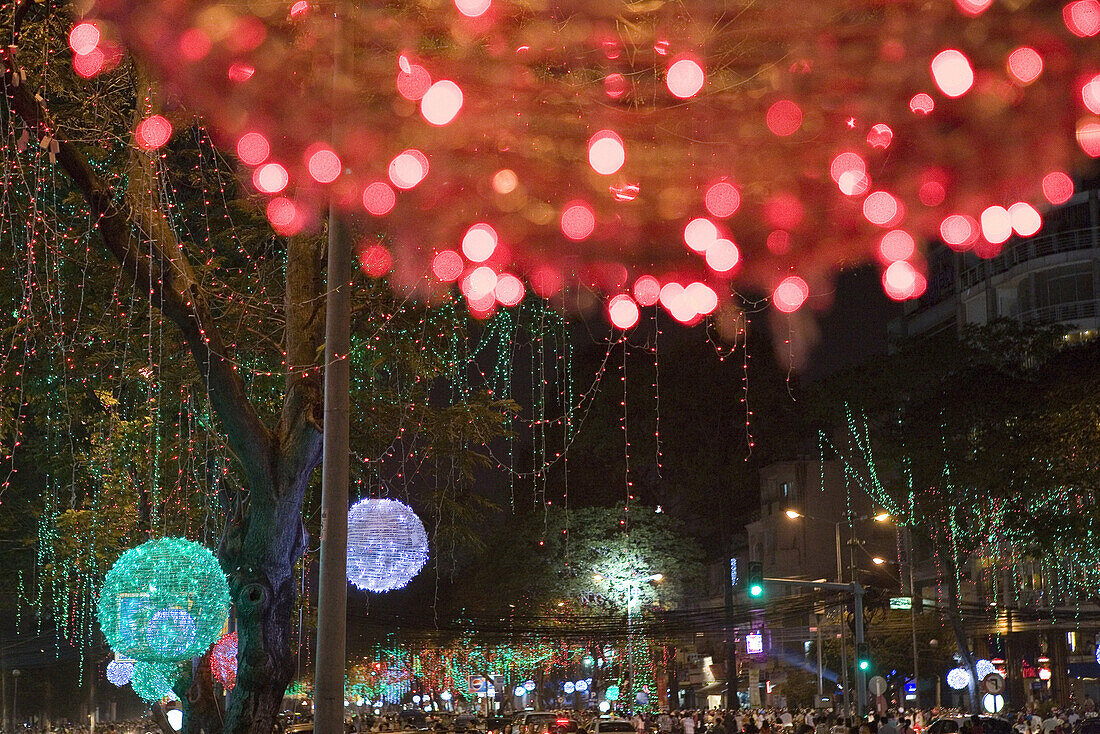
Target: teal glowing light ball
pixel 154 681
pixel 164 601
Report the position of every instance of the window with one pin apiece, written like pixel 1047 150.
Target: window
pixel 784 489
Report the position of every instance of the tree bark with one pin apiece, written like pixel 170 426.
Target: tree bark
pixel 265 536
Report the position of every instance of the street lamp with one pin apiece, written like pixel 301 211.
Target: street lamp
pixel 878 561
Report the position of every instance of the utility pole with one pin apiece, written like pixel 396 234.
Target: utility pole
pixel 332 591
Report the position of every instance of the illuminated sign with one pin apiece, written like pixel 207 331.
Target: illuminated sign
pixel 754 643
pixel 901 602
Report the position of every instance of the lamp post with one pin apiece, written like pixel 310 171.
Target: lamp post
pixel 878 517
pixel 15 673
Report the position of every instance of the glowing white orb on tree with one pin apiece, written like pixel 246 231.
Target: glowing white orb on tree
pixel 387 544
pixel 958 678
pixel 120 672
pixel 983 668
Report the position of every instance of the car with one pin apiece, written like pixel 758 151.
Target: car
pixel 465 722
pixel 961 723
pixel 543 722
pixel 608 726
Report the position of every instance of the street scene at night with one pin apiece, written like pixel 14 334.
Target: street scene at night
pixel 550 367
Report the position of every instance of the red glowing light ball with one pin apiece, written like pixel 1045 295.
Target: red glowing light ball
pixel 414 83
pixel 900 280
pixel 447 266
pixel 441 103
pixel 481 281
pixel 1025 64
pixel 379 199
pixel 959 231
pixel 921 104
pixel 722 199
pixel 89 64
pixel 699 233
pixel 1090 94
pixel 784 118
pixel 472 8
pixel 722 255
pixel 1082 18
pixel 253 149
pixel 615 85
pixel 153 132
pixel 239 72
pixel 223 660
pixel 622 311
pixel 479 242
pixel 83 38
pixel 883 209
pixel 376 260
pixel 676 301
pixel 846 163
pixel 270 178
pixel 701 297
pixel 1088 137
pixel 685 77
pixel 1057 187
pixel 897 244
pixel 283 216
pixel 509 290
pixel 1026 221
pixel 647 290
pixel 790 294
pixel 299 8
pixel 972 7
pixel 952 72
pixel 996 224
pixel 880 136
pixel 324 165
pixel 931 193
pixel 779 242
pixel 606 153
pixel 409 168
pixel 546 281
pixel 578 221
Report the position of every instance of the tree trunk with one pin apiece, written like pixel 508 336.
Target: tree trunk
pixel 954 613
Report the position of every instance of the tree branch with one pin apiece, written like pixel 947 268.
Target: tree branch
pixel 156 262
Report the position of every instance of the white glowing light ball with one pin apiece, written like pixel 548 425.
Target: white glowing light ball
pixel 387 544
pixel 175 718
pixel 958 678
pixel 120 672
pixel 984 668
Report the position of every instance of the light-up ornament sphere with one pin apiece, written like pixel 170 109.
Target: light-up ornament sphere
pixel 387 544
pixel 119 672
pixel 984 668
pixel 164 601
pixel 958 678
pixel 223 661
pixel 154 681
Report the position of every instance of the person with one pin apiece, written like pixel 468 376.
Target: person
pixel 786 719
pixel 886 725
pixel 664 723
pixel 687 723
pixel 905 727
pixel 1051 723
pixel 1088 705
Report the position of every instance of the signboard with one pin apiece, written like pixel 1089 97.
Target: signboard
pixel 994 684
pixel 478 684
pixel 877 685
pixel 910 689
pixel 733 573
pixel 754 643
pixel 901 602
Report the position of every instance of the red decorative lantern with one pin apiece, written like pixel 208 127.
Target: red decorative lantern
pixel 223 661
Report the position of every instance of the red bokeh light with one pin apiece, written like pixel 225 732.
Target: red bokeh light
pixel 615 85
pixel 883 209
pixel 379 198
pixel 1088 137
pixel 283 215
pixel 996 224
pixel 323 164
pixel 1057 187
pixel 1090 94
pixel 479 243
pixel 897 244
pixel 784 118
pixel 1082 18
pixel 253 149
pixel 447 266
pixel 647 290
pixel 722 255
pixel 298 8
pixel 195 44
pixel 959 231
pixel 153 132
pixel 578 220
pixel 722 199
pixel 784 211
pixel 622 311
pixel 779 242
pixel 89 64
pixel 408 168
pixel 472 8
pixel 880 136
pixel 441 103
pixel 685 77
pixel 701 297
pixel 972 7
pixel 606 153
pixel 480 281
pixel 270 178
pixel 83 38
pixel 546 281
pixel 509 290
pixel 846 162
pixel 790 294
pixel 932 193
pixel 1026 221
pixel 952 72
pixel 699 233
pixel 899 280
pixel 376 260
pixel 240 72
pixel 1025 64
pixel 921 104
pixel 414 83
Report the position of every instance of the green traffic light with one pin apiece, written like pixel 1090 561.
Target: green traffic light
pixel 756 590
pixel 864 664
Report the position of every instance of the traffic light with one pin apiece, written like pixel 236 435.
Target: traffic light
pixel 863 656
pixel 754 579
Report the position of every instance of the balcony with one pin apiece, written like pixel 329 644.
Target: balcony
pixel 1061 313
pixel 1022 251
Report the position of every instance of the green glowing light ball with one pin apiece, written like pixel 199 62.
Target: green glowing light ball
pixel 154 681
pixel 164 601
